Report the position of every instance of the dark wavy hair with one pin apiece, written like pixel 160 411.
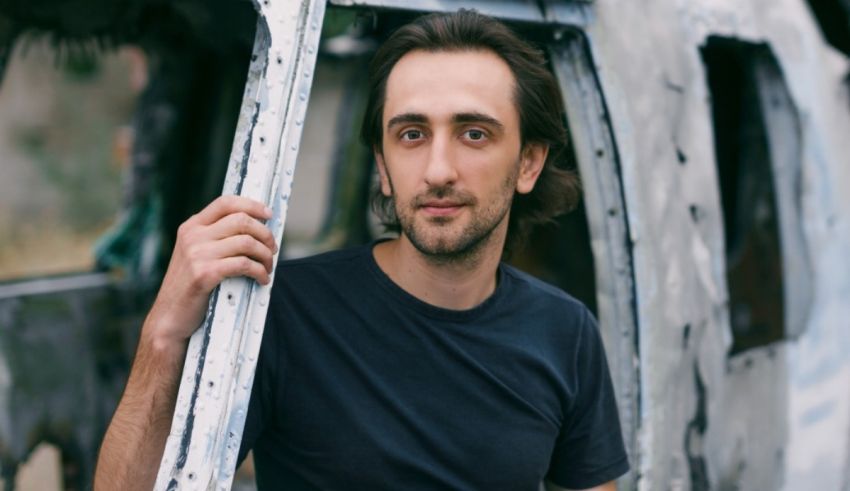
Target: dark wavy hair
pixel 537 98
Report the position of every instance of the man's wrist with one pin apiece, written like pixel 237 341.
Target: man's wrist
pixel 158 333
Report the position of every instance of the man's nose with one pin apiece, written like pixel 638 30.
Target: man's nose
pixel 441 168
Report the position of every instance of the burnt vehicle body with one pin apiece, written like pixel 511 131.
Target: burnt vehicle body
pixel 713 242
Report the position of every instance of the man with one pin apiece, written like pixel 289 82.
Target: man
pixel 420 362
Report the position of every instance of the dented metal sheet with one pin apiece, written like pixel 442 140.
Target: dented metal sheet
pixel 215 388
pixel 776 416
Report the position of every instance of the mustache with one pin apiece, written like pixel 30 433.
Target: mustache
pixel 447 193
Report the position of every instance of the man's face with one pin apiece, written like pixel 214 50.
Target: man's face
pixel 452 156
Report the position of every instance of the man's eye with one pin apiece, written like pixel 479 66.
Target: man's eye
pixel 411 135
pixel 475 135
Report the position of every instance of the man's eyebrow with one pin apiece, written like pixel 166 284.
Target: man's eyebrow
pixel 475 117
pixel 407 118
pixel 459 118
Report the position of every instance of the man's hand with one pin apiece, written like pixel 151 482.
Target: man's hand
pixel 225 239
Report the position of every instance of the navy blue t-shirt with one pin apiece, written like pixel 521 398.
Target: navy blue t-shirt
pixel 362 386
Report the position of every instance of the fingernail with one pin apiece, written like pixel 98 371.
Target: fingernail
pixel 268 211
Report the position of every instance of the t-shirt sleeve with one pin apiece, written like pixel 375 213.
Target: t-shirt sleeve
pixel 589 450
pixel 262 392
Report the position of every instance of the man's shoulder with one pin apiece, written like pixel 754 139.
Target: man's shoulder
pixel 526 285
pixel 553 312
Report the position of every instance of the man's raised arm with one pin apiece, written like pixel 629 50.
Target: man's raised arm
pixel 225 239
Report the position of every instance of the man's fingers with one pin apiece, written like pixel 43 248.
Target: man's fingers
pixel 243 266
pixel 244 245
pixel 228 205
pixel 227 239
pixel 242 224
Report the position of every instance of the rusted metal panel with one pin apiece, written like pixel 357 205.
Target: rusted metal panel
pixel 216 383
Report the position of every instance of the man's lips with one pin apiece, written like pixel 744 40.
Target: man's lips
pixel 441 208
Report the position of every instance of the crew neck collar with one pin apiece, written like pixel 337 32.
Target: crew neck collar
pixel 426 308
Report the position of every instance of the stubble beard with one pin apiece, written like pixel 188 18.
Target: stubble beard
pixel 435 238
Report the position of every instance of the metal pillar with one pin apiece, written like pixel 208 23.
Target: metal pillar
pixel 215 388
pixel 599 165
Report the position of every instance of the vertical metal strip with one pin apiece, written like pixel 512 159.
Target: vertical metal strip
pixel 596 153
pixel 215 388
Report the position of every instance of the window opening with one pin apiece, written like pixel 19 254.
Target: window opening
pixel 749 185
pixel 65 140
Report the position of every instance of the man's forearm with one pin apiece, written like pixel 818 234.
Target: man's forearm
pixel 223 240
pixel 133 446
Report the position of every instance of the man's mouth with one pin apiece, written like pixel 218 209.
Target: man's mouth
pixel 441 207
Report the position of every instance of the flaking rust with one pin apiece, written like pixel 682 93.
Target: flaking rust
pixel 206 432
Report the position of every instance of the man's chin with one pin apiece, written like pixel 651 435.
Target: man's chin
pixel 433 245
pixel 445 247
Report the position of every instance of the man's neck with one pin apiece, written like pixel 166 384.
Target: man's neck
pixel 451 285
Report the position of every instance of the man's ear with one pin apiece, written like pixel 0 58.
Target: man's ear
pixel 532 158
pixel 386 187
